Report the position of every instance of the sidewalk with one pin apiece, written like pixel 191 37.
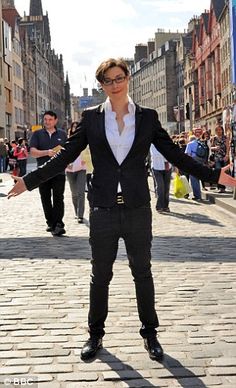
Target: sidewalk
pixel 224 200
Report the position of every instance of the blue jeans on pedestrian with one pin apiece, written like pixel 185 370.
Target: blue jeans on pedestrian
pixel 2 163
pixel 195 183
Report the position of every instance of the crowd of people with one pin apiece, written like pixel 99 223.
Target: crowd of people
pixel 212 150
pixel 13 156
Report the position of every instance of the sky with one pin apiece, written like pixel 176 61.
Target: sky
pixel 86 32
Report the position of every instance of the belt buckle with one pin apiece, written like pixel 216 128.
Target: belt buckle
pixel 120 199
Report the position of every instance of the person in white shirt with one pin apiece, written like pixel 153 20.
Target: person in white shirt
pixel 76 175
pixel 161 169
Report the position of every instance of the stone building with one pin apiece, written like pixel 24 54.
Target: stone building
pixel 190 80
pixel 41 61
pixel 68 118
pixel 153 80
pixel 2 86
pixel 7 73
pixel 207 67
pixel 11 17
pixel 225 57
pixel 183 47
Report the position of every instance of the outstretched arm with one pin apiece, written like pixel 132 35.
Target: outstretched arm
pixel 18 188
pixel 226 179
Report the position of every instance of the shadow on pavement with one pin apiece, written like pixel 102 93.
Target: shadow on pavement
pixel 196 217
pixel 184 376
pixel 177 248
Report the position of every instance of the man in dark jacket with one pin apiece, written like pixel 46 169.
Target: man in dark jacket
pixel 119 134
pixel 44 144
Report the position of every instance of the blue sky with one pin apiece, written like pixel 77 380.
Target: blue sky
pixel 88 31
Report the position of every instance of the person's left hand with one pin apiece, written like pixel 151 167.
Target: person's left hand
pixel 226 179
pixel 18 188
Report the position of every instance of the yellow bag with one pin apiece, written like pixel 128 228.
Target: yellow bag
pixel 181 186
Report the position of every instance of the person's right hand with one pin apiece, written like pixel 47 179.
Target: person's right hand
pixel 51 153
pixel 18 188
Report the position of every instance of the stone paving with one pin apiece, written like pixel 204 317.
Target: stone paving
pixel 44 301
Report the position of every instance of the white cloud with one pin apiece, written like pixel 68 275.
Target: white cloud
pixel 87 32
pixel 177 6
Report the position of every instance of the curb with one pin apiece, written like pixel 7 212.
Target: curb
pixel 225 201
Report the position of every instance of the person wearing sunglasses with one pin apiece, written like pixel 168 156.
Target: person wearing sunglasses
pixel 119 134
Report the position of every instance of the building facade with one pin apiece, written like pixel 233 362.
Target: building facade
pixel 40 58
pixel 18 127
pixel 207 68
pixel 2 86
pixel 31 73
pixel 225 63
pixel 7 71
pixel 153 80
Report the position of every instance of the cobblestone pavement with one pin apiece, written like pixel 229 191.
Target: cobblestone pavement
pixel 44 301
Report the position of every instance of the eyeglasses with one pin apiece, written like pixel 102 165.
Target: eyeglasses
pixel 118 80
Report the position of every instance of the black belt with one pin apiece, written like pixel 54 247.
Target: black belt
pixel 120 199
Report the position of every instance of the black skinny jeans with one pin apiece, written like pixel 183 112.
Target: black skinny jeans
pixel 107 225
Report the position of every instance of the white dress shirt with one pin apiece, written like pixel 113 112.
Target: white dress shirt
pixel 158 161
pixel 120 143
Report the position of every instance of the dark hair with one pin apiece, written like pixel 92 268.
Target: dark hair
pixel 220 126
pixel 71 130
pixel 50 113
pixel 20 140
pixel 108 64
pixel 182 141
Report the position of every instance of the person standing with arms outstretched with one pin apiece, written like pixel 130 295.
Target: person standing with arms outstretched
pixel 119 134
pixel 44 144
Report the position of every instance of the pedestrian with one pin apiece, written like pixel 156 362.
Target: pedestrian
pixel 119 134
pixel 3 155
pixel 76 175
pixel 191 150
pixel 8 145
pixel 12 158
pixel 44 144
pixel 220 149
pixel 205 141
pixel 161 169
pixel 21 155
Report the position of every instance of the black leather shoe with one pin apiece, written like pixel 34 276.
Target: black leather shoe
pixel 91 347
pixel 153 347
pixel 58 230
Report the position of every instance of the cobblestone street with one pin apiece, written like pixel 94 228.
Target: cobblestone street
pixel 44 300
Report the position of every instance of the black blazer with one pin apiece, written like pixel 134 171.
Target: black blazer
pixel 132 173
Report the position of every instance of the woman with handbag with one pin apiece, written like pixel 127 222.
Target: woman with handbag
pixel 21 153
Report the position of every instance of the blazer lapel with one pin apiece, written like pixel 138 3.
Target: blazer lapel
pixel 138 119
